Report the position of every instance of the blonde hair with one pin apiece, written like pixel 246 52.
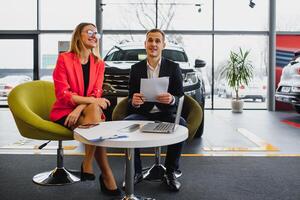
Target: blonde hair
pixel 77 45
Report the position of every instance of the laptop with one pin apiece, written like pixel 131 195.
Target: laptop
pixel 164 127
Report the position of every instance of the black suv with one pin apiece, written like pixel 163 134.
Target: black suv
pixel 120 58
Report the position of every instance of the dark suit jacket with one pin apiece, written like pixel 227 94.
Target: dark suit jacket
pixel 169 69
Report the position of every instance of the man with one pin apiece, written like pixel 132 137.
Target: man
pixel 164 109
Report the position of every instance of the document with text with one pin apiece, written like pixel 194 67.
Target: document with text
pixel 154 86
pixel 103 131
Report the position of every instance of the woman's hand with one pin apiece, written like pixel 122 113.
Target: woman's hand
pixel 73 117
pixel 103 103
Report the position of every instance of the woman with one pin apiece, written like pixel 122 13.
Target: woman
pixel 78 78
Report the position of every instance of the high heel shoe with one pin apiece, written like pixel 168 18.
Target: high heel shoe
pixel 115 192
pixel 86 176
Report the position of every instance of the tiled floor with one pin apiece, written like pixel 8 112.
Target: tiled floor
pixel 252 133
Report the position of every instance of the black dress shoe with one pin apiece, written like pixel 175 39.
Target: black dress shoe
pixel 84 176
pixel 116 192
pixel 172 182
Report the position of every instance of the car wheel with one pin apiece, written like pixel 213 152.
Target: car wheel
pixel 297 108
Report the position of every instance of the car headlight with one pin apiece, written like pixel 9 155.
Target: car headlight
pixel 191 78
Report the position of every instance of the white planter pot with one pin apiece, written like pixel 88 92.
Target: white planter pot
pixel 237 106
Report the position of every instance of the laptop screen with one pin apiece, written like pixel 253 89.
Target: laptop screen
pixel 179 109
pixel 165 127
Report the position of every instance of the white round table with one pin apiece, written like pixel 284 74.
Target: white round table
pixel 135 139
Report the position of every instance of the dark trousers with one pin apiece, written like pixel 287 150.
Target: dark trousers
pixel 173 151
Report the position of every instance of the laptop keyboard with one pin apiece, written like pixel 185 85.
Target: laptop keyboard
pixel 163 126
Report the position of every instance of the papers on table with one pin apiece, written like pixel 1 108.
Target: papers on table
pixel 154 86
pixel 100 133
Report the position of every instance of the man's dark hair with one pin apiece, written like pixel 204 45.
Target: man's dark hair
pixel 156 30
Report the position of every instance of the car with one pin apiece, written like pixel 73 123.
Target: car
pixel 288 89
pixel 122 56
pixel 256 89
pixel 223 90
pixel 5 89
pixel 7 83
pixel 207 85
pixel 47 78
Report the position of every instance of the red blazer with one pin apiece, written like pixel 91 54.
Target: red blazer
pixel 68 81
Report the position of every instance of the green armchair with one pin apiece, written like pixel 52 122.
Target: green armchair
pixel 30 104
pixel 191 112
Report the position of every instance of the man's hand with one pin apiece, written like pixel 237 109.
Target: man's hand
pixel 165 98
pixel 73 117
pixel 137 99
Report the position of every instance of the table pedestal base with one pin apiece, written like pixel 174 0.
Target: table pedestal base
pixel 129 178
pixel 132 197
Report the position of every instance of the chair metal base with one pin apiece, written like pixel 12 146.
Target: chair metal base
pixel 157 171
pixel 58 176
pixel 133 197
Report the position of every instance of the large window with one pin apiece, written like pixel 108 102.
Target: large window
pixel 49 44
pixel 255 94
pixel 16 67
pixel 65 15
pixel 18 15
pixel 205 30
pixel 288 15
pixel 185 15
pixel 238 16
pixel 128 15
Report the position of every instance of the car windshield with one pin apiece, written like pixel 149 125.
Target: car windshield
pixel 140 54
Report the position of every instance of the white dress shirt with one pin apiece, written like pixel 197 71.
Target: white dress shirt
pixel 153 72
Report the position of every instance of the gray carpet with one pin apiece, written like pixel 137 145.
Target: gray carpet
pixel 207 178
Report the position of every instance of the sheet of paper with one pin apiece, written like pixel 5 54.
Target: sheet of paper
pixel 154 86
pixel 102 132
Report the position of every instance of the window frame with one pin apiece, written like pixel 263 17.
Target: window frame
pixel 35 58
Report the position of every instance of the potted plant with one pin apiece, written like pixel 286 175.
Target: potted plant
pixel 238 72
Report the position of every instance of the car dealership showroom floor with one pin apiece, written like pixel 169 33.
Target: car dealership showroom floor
pixel 251 133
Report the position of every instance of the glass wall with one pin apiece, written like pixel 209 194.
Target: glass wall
pixel 18 15
pixel 49 48
pixel 206 30
pixel 236 15
pixel 255 93
pixel 65 14
pixel 128 15
pixel 16 67
pixel 184 15
pixel 189 25
pixel 287 15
